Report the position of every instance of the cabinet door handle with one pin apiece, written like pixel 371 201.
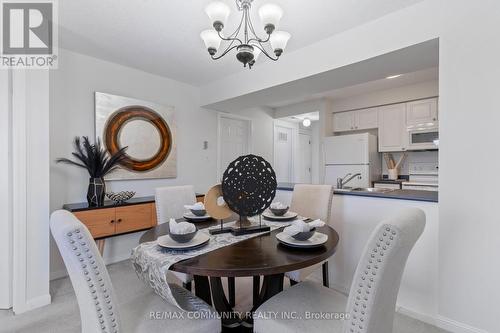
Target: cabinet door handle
pixel 119 220
pixel 112 221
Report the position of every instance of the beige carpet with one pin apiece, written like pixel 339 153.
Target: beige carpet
pixel 63 315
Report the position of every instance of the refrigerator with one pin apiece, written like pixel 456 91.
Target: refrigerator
pixel 353 153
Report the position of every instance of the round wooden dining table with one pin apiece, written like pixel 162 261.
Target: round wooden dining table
pixel 259 256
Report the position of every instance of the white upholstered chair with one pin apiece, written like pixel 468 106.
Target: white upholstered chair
pixel 99 307
pixel 313 201
pixel 169 202
pixel 374 289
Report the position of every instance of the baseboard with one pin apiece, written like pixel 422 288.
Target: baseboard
pixel 440 321
pixel 33 303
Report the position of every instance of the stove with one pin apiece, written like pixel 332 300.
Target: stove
pixel 424 176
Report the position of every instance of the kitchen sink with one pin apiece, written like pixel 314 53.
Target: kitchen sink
pixel 372 189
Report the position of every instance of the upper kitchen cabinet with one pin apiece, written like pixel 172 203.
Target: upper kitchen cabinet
pixel 422 113
pixel 343 121
pixel 392 131
pixel 355 120
pixel 366 119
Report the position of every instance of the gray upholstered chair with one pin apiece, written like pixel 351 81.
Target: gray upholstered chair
pixel 374 289
pixel 313 201
pixel 169 202
pixel 99 307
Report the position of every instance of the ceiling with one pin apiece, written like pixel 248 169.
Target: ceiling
pixel 312 116
pixel 421 60
pixel 162 36
pixel 405 79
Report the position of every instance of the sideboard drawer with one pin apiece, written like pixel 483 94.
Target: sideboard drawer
pixel 136 217
pixel 100 222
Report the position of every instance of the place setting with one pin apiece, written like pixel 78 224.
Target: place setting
pixel 196 213
pixel 279 212
pixel 183 236
pixel 302 234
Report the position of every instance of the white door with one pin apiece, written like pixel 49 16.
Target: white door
pixel 304 159
pixel 343 121
pixel 283 154
pixel 392 133
pixel 233 140
pixel 421 112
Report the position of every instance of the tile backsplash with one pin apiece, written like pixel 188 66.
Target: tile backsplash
pixel 413 157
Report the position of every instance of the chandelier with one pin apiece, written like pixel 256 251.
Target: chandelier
pixel 244 39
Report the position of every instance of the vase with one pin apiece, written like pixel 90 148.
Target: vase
pixel 96 192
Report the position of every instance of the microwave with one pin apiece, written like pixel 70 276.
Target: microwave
pixel 423 138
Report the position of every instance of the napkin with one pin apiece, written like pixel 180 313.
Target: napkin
pixel 278 205
pixel 301 226
pixel 196 206
pixel 180 228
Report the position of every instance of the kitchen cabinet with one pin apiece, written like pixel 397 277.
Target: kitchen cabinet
pixel 422 113
pixel 366 119
pixel 392 130
pixel 355 120
pixel 343 121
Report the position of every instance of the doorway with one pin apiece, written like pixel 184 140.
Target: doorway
pixel 304 159
pixel 234 137
pixel 283 153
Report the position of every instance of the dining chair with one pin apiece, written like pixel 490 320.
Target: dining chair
pixel 315 202
pixel 169 202
pixel 99 307
pixel 372 299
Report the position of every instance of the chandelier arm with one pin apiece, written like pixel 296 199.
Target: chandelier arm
pixel 233 37
pixel 257 38
pixel 260 47
pixel 229 49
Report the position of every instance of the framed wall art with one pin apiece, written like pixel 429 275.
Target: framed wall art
pixel 146 128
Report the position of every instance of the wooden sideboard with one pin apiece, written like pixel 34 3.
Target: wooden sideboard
pixel 112 220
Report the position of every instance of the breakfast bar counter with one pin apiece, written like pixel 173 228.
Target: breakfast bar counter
pixel 414 195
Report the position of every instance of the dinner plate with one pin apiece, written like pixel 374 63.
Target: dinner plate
pixel 193 218
pixel 318 239
pixel 200 239
pixel 288 216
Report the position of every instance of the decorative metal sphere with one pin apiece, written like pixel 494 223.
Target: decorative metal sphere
pixel 249 185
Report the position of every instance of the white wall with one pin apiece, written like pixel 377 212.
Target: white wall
pixel 469 232
pixel 72 88
pixel 5 192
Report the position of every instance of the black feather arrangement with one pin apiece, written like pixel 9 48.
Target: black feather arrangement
pixel 94 158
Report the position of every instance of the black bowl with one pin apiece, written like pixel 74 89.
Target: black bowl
pixel 303 236
pixel 183 238
pixel 279 211
pixel 199 212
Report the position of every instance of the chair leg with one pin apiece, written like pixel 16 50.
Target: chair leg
pixel 326 279
pixel 256 290
pixel 187 285
pixel 293 282
pixel 231 288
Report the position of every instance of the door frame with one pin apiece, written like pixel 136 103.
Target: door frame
pixel 220 116
pixel 295 134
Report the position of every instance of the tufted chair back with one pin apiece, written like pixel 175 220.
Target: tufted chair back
pixel 88 273
pixel 170 201
pixel 313 201
pixel 374 289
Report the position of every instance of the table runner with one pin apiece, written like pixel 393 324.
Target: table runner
pixel 152 262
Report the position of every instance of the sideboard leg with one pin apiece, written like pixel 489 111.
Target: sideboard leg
pixel 100 245
pixel 231 290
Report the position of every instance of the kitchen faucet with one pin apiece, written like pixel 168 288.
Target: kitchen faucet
pixel 342 181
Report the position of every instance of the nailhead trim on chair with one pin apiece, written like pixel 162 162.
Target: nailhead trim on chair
pixel 78 245
pixel 369 280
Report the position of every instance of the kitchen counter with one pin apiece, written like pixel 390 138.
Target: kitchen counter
pixel 413 195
